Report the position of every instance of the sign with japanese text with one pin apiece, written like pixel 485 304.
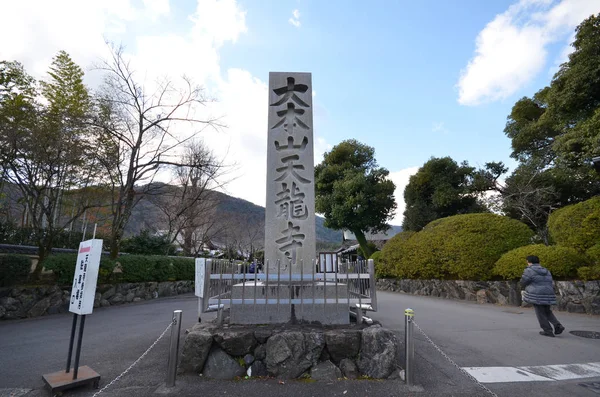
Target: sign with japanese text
pixel 289 212
pixel 200 277
pixel 86 277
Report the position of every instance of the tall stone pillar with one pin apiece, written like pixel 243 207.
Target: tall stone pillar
pixel 290 217
pixel 290 205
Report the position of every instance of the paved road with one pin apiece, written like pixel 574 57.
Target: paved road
pixel 490 336
pixel 473 335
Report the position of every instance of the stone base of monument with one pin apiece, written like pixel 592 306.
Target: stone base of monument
pixel 327 312
pixel 287 351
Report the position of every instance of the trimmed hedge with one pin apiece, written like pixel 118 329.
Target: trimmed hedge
pixel 463 247
pixel 133 268
pixel 14 269
pixel 377 260
pixel 63 267
pixel 577 225
pixel 563 262
pixel 392 254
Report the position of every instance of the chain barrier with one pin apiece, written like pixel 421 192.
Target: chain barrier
pixel 138 360
pixel 481 385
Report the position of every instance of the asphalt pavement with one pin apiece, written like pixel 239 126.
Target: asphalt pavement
pixel 471 335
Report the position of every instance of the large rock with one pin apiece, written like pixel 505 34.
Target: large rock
pixel 342 343
pixel 219 365
pixel 325 370
pixel 290 354
pixel 348 368
pixel 236 342
pixel 262 335
pixel 196 347
pixel 378 355
pixel 116 299
pixel 39 308
pixel 109 294
pixel 260 352
pixel 482 296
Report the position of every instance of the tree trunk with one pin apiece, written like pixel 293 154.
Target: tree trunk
pixel 362 241
pixel 44 249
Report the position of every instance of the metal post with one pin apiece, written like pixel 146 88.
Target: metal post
pixel 409 347
pixel 174 348
pixel 71 342
pixel 78 352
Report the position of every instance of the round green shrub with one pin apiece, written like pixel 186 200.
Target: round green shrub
pixel 391 255
pixel 14 269
pixel 463 247
pixel 577 225
pixel 562 262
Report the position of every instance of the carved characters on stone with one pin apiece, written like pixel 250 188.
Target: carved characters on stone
pixel 289 116
pixel 291 175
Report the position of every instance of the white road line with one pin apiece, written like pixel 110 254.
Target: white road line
pixel 503 374
pixel 537 373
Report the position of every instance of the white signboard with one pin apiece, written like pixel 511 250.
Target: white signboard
pixel 200 275
pixel 86 277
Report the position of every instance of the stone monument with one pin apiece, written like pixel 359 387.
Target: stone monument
pixel 290 205
pixel 290 217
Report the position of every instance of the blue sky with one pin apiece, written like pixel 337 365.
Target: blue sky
pixel 413 79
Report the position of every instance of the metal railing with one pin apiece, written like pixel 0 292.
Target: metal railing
pixel 351 283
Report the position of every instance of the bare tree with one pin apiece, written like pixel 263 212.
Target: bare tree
pixel 187 205
pixel 143 129
pixel 242 235
pixel 527 195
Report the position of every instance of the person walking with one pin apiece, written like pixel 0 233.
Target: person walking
pixel 539 291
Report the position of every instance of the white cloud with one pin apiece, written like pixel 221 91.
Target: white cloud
pixel 241 97
pixel 400 179
pixel 34 31
pixel 295 19
pixel 157 8
pixel 219 20
pixel 512 49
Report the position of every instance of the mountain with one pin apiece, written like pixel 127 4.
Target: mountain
pixel 229 214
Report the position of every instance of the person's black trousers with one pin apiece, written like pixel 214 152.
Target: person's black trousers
pixel 545 317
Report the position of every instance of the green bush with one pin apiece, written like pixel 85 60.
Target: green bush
pixel 463 247
pixel 379 271
pixel 391 259
pixel 139 268
pixel 14 269
pixel 588 273
pixel 134 268
pixel 63 267
pixel 577 225
pixel 594 254
pixel 562 262
pixel 185 268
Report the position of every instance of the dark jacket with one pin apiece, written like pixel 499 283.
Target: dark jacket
pixel 539 289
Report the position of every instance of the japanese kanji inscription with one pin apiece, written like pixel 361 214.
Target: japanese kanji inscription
pixel 290 214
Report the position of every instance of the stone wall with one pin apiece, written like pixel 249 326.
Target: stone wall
pixel 24 302
pixel 290 351
pixel 572 296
